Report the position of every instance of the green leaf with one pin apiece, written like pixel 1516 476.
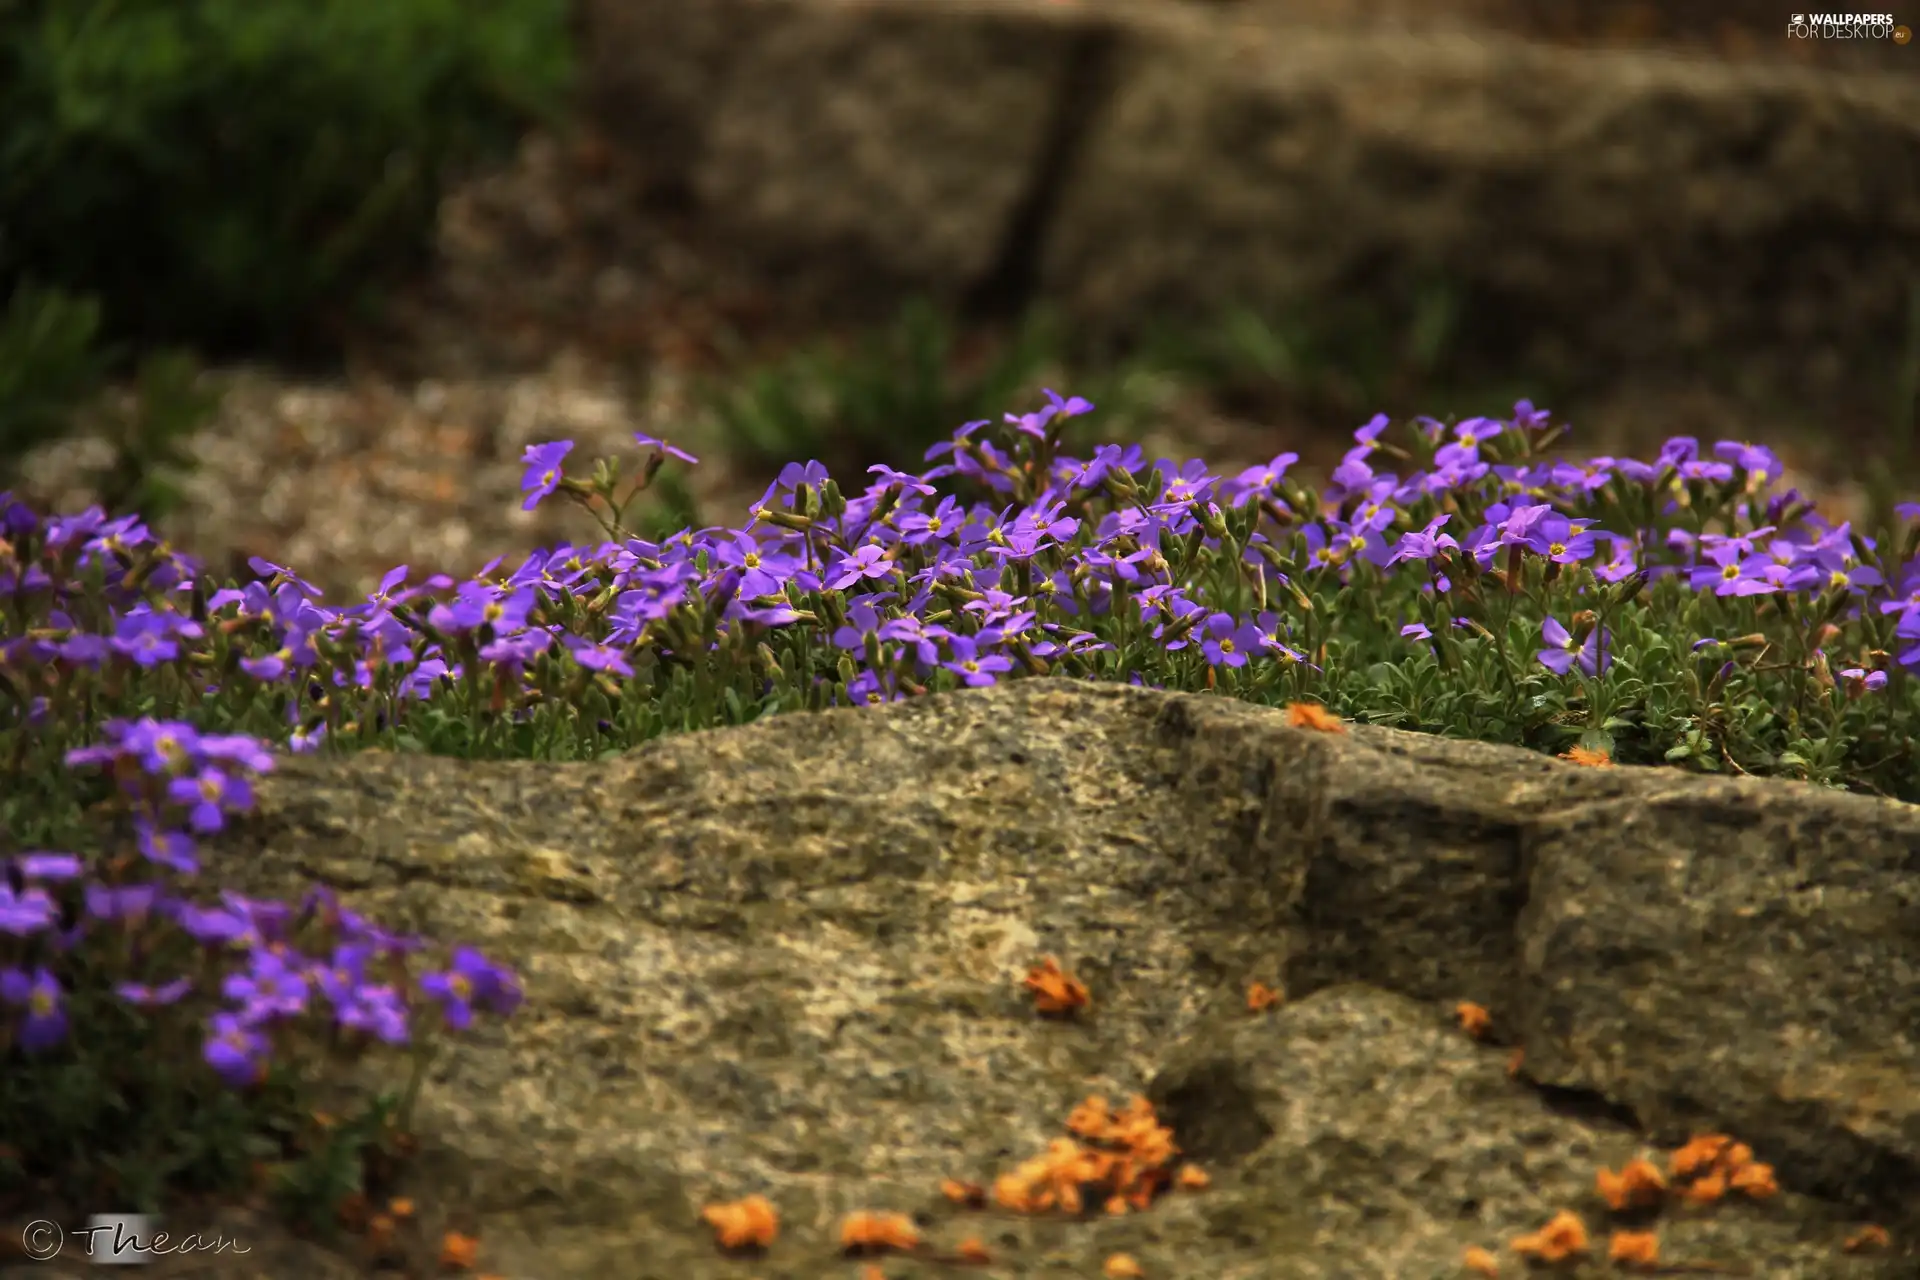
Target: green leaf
pixel 1597 740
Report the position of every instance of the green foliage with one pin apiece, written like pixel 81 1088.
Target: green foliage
pixel 52 374
pixel 232 174
pixel 1338 360
pixel 893 395
pixel 147 429
pixel 49 364
pixel 902 389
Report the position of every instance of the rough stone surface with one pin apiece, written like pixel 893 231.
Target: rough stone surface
pixel 1596 208
pixel 786 959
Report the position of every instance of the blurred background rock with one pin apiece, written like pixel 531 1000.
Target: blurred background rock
pixel 405 240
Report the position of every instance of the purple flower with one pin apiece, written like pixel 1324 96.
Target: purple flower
pixel 268 666
pixel 84 649
pixel 1751 458
pixel 1594 656
pixel 939 525
pixel 161 748
pixel 235 1050
pixel 512 653
pixel 1621 564
pixel 646 441
pixel 543 473
pixel 377 1011
pixel 1109 459
pixel 1468 435
pixel 862 621
pixel 471 979
pixel 130 903
pixel 1676 450
pixel 212 926
pixel 168 848
pixel 269 989
pixel 1226 642
pixel 24 913
pixel 208 796
pixel 765 570
pixel 480 604
pixel 1189 484
pixel 148 637
pixel 888 478
pixel 1699 469
pixel 1731 573
pixel 138 993
pixel 971 665
pixel 599 657
pixel 787 486
pixel 49 866
pixel 1560 540
pixel 1860 680
pixel 45 1024
pixel 1424 544
pixel 239 749
pixel 1070 407
pixel 1258 482
pixel 1517 524
pixel 869 561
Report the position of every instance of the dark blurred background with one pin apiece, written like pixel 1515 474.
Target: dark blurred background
pixel 796 228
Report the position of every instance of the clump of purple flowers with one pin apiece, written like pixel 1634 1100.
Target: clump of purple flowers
pixel 181 783
pixel 1456 579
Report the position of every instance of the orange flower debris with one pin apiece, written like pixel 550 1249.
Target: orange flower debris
pixel 457 1252
pixel 1868 1237
pixel 1633 1248
pixel 1261 996
pixel 1700 1151
pixel 972 1252
pixel 1755 1181
pixel 1516 1060
pixel 1310 715
pixel 1126 1170
pixel 1479 1260
pixel 751 1223
pixel 1121 1266
pixel 1054 990
pixel 864 1232
pixel 1705 1190
pixel 1717 1164
pixel 1590 758
pixel 970 1194
pixel 1474 1019
pixel 1639 1185
pixel 1563 1236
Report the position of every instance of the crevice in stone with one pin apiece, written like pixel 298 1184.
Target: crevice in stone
pixel 1004 292
pixel 1588 1106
